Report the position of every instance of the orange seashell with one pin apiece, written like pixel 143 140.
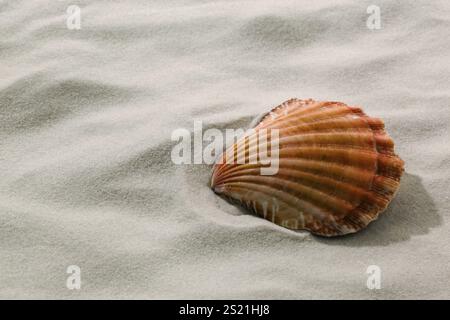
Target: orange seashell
pixel 337 169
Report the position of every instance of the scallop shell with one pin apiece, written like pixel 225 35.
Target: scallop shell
pixel 337 169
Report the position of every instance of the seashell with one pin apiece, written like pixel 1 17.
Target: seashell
pixel 337 169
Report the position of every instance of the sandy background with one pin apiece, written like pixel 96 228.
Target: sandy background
pixel 85 139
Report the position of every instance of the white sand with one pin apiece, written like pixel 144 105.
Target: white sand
pixel 87 116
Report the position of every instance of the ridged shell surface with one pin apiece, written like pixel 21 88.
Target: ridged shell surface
pixel 337 169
